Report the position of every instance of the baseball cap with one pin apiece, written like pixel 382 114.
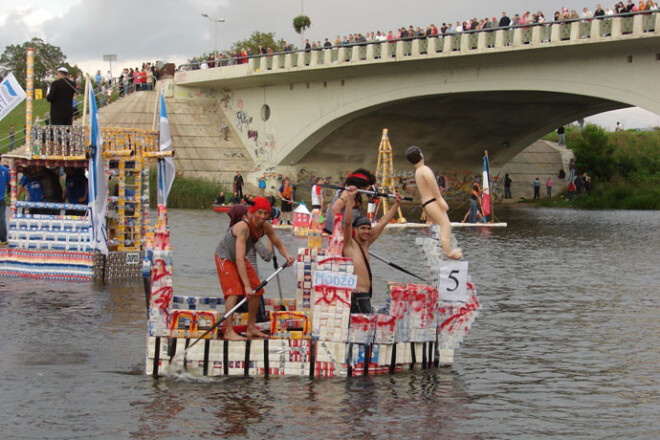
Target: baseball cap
pixel 63 69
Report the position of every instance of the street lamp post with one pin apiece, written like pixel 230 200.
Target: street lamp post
pixel 216 21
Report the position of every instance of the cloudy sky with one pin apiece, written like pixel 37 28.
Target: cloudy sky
pixel 174 30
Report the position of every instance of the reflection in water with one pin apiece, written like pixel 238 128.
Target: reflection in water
pixel 566 347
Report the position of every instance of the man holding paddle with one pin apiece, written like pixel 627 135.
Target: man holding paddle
pixel 237 276
pixel 358 237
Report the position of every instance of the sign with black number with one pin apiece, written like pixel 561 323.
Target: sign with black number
pixel 132 258
pixel 452 281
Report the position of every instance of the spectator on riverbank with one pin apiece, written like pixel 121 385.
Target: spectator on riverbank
pixel 507 186
pixel 537 188
pixel 561 136
pixel 571 190
pixel 60 96
pixel 548 187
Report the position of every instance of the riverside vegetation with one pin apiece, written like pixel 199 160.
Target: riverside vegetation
pixel 624 166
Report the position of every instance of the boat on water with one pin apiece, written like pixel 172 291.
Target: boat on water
pixel 221 208
pixel 311 333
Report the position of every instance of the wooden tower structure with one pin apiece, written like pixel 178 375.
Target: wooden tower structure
pixel 385 173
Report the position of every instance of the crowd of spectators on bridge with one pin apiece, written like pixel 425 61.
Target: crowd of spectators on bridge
pixel 408 33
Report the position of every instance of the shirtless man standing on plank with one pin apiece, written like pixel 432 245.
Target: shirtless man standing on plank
pixel 358 237
pixel 237 276
pixel 433 204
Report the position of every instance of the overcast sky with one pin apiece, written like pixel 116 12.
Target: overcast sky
pixel 174 30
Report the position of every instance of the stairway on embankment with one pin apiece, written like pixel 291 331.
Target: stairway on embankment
pixel 541 159
pixel 195 126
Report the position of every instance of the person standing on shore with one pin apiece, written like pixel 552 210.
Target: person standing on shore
pixel 548 187
pixel 60 96
pixel 238 184
pixel 507 186
pixel 562 136
pixel 12 135
pixel 537 189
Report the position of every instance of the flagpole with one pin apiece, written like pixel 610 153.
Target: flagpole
pixel 84 114
pixel 490 191
pixel 153 125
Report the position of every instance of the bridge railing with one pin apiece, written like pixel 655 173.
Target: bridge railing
pixel 527 35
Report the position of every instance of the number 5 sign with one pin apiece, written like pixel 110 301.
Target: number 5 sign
pixel 452 281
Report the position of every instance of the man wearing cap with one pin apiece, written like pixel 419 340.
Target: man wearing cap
pixel 237 276
pixel 60 97
pixel 358 237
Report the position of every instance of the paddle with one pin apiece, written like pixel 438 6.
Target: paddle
pixel 217 324
pixel 279 284
pixel 365 191
pixel 396 266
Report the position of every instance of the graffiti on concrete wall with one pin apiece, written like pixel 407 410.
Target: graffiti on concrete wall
pixel 262 144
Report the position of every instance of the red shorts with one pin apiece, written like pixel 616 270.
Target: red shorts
pixel 230 280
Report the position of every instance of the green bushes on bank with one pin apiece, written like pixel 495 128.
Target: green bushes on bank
pixel 186 193
pixel 624 166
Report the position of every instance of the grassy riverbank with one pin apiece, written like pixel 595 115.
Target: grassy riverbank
pixel 624 166
pixel 186 193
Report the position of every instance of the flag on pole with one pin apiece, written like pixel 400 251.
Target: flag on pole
pixel 11 94
pixel 165 165
pixel 485 194
pixel 97 185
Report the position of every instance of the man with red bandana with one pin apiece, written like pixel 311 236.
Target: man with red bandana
pixel 237 276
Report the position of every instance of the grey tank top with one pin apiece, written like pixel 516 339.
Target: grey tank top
pixel 329 222
pixel 227 247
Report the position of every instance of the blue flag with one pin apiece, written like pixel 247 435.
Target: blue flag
pixel 97 185
pixel 166 169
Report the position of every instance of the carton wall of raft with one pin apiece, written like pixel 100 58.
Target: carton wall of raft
pixel 317 335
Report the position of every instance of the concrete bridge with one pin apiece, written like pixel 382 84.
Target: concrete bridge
pixel 454 95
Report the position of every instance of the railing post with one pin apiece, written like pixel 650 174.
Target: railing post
pixel 481 40
pixel 499 38
pixel 575 31
pixel 276 62
pixel 517 37
pixel 638 24
pixel 370 52
pixel 251 63
pixel 327 57
pixel 595 30
pixel 465 42
pixel 431 43
pixel 287 61
pixel 356 53
pixel 616 27
pixel 314 58
pixel 449 43
pixel 399 49
pixel 536 35
pixel 555 32
pixel 656 29
pixel 414 48
pixel 341 55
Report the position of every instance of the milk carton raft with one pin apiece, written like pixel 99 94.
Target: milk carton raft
pixel 313 334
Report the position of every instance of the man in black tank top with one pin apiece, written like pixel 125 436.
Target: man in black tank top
pixel 359 235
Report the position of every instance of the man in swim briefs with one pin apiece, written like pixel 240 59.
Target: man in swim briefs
pixel 358 237
pixel 237 276
pixel 433 204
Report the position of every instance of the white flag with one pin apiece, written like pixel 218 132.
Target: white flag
pixel 97 185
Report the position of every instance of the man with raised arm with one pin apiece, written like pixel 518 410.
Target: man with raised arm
pixel 433 204
pixel 237 276
pixel 358 237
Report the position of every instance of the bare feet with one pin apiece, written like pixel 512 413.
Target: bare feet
pixel 231 335
pixel 455 254
pixel 255 334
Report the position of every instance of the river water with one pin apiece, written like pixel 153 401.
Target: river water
pixel 566 346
